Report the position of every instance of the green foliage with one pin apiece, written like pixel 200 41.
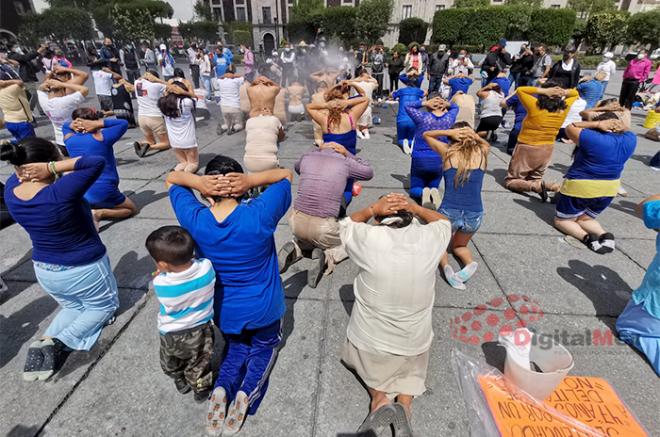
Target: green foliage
pixel 373 18
pixel 471 3
pixel 242 37
pixel 29 29
pixel 400 48
pixel 528 3
pixel 606 29
pixel 339 21
pixel 81 4
pixel 553 27
pixel 50 24
pixel 201 31
pixel 412 29
pixel 448 25
pixel 305 9
pixel 518 18
pixel 202 11
pixel 239 32
pixel 162 31
pixel 584 8
pixel 131 20
pixel 644 28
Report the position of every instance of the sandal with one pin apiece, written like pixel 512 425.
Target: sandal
pixel 215 418
pixel 378 421
pixel 543 193
pixel 401 423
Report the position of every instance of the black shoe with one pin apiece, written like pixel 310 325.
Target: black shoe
pixel 55 353
pixel 33 363
pixel 607 242
pixel 593 244
pixel 287 256
pixel 202 396
pixel 140 149
pixel 315 273
pixel 182 386
pixel 543 193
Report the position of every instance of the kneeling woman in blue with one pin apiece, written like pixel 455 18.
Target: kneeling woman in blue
pixel 89 135
pixel 237 237
pixel 639 323
pixel 426 164
pixel 337 117
pixel 410 95
pixel 465 162
pixel 45 197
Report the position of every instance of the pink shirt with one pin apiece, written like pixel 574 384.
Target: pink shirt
pixel 248 61
pixel 638 69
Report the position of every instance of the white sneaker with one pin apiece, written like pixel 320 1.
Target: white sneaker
pixel 426 198
pixel 366 135
pixel 406 148
pixel 435 198
pixel 359 134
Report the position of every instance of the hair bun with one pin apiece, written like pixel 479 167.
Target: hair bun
pixel 12 153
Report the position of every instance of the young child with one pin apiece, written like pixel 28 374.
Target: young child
pixel 184 287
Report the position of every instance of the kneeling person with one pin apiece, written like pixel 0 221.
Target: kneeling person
pixel 323 173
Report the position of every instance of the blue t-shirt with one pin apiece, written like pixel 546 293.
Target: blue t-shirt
pixel 403 77
pixel 248 289
pixel 407 96
pixel 58 219
pixel 459 84
pixel 518 109
pixel 504 84
pixel 80 144
pixel 426 121
pixel 591 91
pixel 601 155
pixel 648 293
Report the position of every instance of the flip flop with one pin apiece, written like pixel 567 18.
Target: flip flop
pixel 379 420
pixel 217 412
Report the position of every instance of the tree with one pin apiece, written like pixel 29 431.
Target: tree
pixel 373 18
pixel 529 3
pixel 448 25
pixel 584 8
pixel 471 3
pixel 606 29
pixel 340 22
pixel 78 24
pixel 203 11
pixel 412 29
pixel 130 24
pixel 553 27
pixel 79 4
pixel 204 31
pixel 644 28
pixel 303 10
pixel 29 29
pixel 162 31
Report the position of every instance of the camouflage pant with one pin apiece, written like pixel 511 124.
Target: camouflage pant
pixel 187 355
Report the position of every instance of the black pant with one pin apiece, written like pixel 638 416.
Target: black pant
pixel 133 75
pixel 394 82
pixel 194 69
pixel 379 79
pixel 513 140
pixel 629 89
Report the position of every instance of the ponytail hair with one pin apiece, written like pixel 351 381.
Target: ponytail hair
pixel 30 150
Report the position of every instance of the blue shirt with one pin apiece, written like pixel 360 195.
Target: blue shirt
pixel 591 91
pixel 81 144
pixel 58 219
pixel 519 111
pixel 248 289
pixel 601 155
pixel 504 83
pixel 648 293
pixel 407 96
pixel 459 84
pixel 426 121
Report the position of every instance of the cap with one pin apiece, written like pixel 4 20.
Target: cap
pixel 609 55
pixel 163 47
pixel 442 47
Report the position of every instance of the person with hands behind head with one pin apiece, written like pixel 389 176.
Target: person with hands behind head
pixel 390 332
pixel 603 147
pixel 178 106
pixel 58 100
pixel 238 238
pixel 89 134
pixel 465 158
pixel 46 198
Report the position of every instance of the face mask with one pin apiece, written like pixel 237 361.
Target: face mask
pixel 640 56
pixel 287 50
pixel 461 56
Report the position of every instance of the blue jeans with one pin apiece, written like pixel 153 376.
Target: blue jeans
pixel 88 297
pixel 20 130
pixel 405 129
pixel 467 222
pixel 605 82
pixel 249 361
pixel 434 84
pixel 207 86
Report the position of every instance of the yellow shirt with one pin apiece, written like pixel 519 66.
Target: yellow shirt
pixel 14 104
pixel 540 127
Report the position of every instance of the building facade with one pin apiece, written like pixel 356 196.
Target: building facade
pixel 10 13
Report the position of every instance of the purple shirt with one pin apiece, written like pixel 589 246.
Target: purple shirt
pixel 638 69
pixel 323 175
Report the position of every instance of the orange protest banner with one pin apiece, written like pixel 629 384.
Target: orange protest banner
pixel 587 407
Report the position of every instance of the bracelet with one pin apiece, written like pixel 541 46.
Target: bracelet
pixel 52 170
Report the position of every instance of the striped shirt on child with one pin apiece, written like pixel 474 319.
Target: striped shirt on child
pixel 186 298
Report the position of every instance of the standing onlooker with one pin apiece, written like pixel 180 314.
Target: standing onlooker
pixel 130 61
pixel 462 64
pixel 149 58
pixel 496 61
pixel 523 65
pixel 15 106
pixel 414 60
pixel 656 79
pixel 607 66
pixel 206 72
pixel 288 58
pixel 636 73
pixel 438 64
pixel 148 89
pixel 103 80
pixel 542 64
pixel 248 62
pixel 166 62
pixel 230 103
pixel 566 73
pixel 219 61
pixel 394 68
pixel 378 70
pixel 27 71
pixel 191 52
pixel 110 56
pixel 178 106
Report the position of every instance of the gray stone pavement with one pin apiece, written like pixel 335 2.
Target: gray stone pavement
pixel 119 389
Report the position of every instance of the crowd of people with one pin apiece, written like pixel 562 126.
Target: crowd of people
pixel 220 268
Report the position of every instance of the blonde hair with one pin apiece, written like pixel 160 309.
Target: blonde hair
pixel 461 154
pixel 600 75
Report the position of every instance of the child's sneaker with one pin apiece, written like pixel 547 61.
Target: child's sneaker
pixel 236 414
pixel 217 412
pixel 607 242
pixel 33 363
pixel 182 386
pixel 55 353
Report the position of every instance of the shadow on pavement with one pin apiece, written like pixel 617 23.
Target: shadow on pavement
pixel 347 297
pixel 544 211
pixel 23 431
pixel 405 184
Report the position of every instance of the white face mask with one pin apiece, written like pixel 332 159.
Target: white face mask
pixel 461 56
pixel 640 56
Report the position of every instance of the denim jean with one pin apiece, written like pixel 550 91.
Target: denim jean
pixel 88 297
pixel 207 86
pixel 466 222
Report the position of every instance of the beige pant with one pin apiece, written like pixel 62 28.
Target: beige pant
pixel 527 167
pixel 317 232
pixel 232 117
pixel 255 164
